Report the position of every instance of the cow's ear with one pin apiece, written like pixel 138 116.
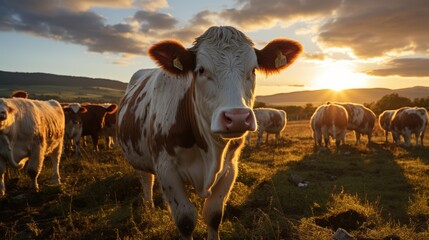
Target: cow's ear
pixel 83 110
pixel 173 57
pixel 277 55
pixel 112 108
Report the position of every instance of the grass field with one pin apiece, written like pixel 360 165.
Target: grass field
pixel 379 191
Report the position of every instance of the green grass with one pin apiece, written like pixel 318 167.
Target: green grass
pixel 384 186
pixel 68 93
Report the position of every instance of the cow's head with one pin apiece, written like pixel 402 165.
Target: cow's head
pixel 6 113
pixel 72 113
pixel 223 62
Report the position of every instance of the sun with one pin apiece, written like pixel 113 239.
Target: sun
pixel 338 76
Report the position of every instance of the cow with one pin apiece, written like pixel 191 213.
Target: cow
pixel 185 121
pixel 361 120
pixel 407 121
pixel 269 120
pixel 384 121
pixel 329 120
pixel 110 130
pixel 93 120
pixel 29 131
pixel 73 126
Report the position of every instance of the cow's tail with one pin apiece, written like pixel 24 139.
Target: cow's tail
pixel 7 153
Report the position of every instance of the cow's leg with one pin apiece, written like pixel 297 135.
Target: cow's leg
pixel 407 139
pixel 260 135
pixel 386 134
pixel 35 163
pixel 357 134
pixel 95 142
pixel 3 168
pixel 266 139
pixel 214 205
pixel 173 188
pixel 56 158
pixel 422 136
pixel 147 181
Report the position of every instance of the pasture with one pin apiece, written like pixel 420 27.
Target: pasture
pixel 379 191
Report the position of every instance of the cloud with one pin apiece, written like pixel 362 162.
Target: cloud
pixel 256 14
pixel 78 27
pixel 404 67
pixel 150 20
pixel 378 28
pixel 151 5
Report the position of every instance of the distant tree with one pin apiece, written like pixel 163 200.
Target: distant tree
pixel 390 102
pixel 308 110
pixel 421 102
pixel 259 105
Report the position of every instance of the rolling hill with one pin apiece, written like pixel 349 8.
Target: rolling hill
pixel 363 95
pixel 71 88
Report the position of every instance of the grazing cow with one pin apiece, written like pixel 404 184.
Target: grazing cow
pixel 185 122
pixel 29 131
pixel 74 126
pixel 329 120
pixel 270 121
pixel 93 120
pixel 407 121
pixel 361 120
pixel 384 121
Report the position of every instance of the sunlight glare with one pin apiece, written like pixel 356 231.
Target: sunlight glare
pixel 338 76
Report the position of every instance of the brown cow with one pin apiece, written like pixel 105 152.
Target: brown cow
pixel 93 120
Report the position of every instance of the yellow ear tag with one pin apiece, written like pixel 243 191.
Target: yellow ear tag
pixel 281 60
pixel 177 64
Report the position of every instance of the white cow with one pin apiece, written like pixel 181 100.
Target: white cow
pixel 270 121
pixel 29 131
pixel 184 123
pixel 407 121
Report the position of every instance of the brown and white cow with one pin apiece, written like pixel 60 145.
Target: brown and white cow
pixel 329 120
pixel 29 131
pixel 269 120
pixel 185 122
pixel 407 121
pixel 73 126
pixel 93 120
pixel 384 121
pixel 361 120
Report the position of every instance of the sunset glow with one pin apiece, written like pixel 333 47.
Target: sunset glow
pixel 346 44
pixel 338 76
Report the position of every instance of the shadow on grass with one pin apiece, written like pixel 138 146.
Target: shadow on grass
pixel 367 172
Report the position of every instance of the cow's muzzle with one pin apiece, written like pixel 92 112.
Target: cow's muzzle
pixel 234 122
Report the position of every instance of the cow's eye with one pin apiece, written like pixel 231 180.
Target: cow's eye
pixel 201 71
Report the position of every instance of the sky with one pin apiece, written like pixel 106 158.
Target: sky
pixel 347 43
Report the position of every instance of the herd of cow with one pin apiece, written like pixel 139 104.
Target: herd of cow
pixel 185 122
